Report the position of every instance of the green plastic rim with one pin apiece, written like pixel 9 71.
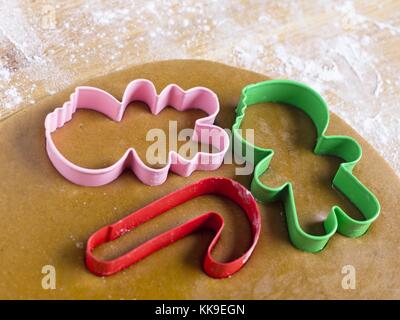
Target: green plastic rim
pixel 303 97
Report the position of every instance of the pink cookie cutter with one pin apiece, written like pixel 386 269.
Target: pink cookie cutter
pixel 141 90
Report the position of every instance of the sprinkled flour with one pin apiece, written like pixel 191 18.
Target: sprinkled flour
pixel 337 49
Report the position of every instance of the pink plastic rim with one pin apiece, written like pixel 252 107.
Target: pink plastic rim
pixel 140 90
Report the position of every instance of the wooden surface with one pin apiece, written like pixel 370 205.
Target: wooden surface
pixel 349 51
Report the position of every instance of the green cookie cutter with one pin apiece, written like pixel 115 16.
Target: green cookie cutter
pixel 306 99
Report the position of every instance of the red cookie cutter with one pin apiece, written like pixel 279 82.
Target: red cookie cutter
pixel 210 220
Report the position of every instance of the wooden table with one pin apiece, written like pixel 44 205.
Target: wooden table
pixel 349 51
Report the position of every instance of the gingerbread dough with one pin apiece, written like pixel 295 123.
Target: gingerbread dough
pixel 46 220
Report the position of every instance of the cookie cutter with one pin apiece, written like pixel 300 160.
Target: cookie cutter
pixel 210 220
pixel 306 99
pixel 140 90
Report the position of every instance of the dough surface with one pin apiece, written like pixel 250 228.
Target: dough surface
pixel 46 220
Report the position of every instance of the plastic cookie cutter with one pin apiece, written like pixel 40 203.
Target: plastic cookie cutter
pixel 306 99
pixel 141 90
pixel 211 220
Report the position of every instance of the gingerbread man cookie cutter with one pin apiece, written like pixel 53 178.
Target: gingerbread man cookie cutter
pixel 140 90
pixel 306 99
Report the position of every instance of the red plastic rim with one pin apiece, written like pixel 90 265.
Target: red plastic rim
pixel 211 220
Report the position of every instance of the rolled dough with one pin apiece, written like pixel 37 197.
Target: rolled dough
pixel 46 220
